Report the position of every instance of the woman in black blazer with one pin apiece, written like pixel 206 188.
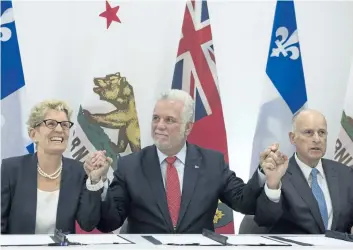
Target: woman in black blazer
pixel 46 191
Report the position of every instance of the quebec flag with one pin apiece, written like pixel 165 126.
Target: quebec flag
pixel 12 84
pixel 284 92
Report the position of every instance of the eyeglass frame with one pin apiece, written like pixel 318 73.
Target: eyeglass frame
pixel 57 123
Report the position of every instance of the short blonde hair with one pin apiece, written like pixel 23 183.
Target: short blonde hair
pixel 39 111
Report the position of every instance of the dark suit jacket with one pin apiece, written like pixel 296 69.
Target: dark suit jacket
pixel 19 196
pixel 137 192
pixel 298 211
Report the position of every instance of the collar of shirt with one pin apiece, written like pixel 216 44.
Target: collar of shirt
pixel 181 155
pixel 307 169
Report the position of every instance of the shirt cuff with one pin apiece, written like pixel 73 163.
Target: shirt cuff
pixel 273 195
pixel 94 187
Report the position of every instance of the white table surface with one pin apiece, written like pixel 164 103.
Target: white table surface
pixel 143 244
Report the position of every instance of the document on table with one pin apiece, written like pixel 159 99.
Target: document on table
pixel 97 239
pixel 253 240
pixel 25 240
pixel 320 240
pixel 184 240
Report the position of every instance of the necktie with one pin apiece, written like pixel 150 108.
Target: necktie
pixel 173 190
pixel 319 196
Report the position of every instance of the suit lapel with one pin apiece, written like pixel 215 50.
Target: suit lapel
pixel 152 170
pixel 29 194
pixel 191 173
pixel 301 185
pixel 64 195
pixel 333 186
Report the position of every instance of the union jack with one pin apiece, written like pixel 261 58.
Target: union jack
pixel 195 72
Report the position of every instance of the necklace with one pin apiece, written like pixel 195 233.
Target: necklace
pixel 52 176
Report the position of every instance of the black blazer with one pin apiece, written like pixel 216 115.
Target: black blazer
pixel 298 211
pixel 137 193
pixel 19 196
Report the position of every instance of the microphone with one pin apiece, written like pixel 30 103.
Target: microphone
pixel 60 239
pixel 216 237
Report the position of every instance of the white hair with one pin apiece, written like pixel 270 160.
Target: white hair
pixel 183 96
pixel 296 115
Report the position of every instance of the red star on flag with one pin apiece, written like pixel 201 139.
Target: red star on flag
pixel 110 14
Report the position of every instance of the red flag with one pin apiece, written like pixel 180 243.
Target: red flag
pixel 195 72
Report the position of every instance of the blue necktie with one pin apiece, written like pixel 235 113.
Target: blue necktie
pixel 319 195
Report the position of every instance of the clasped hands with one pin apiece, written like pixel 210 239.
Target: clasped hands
pixel 97 165
pixel 274 164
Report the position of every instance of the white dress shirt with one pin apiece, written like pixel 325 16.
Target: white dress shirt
pixel 179 164
pixel 274 195
pixel 47 205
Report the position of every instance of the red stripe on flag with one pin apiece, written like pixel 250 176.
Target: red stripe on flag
pixel 192 41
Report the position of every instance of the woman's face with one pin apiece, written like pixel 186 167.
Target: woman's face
pixel 50 135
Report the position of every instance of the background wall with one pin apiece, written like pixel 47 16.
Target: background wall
pixel 241 34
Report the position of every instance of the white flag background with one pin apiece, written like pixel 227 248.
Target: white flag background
pixel 65 45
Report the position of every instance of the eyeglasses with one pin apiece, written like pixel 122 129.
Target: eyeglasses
pixel 52 124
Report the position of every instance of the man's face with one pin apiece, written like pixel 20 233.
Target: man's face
pixel 310 137
pixel 168 128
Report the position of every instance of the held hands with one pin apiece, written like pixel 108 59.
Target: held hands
pixel 274 165
pixel 97 165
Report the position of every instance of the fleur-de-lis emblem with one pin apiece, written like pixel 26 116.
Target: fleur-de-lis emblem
pixel 6 17
pixel 285 44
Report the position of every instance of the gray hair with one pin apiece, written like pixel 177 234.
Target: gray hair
pixel 40 110
pixel 296 115
pixel 183 96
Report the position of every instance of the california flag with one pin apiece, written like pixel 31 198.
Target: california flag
pixel 108 59
pixel 344 143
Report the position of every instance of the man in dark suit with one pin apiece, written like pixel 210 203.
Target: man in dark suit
pixel 316 194
pixel 172 186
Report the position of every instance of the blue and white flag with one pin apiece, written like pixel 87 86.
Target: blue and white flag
pixel 284 92
pixel 13 140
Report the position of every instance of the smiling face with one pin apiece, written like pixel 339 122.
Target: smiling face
pixel 51 139
pixel 310 137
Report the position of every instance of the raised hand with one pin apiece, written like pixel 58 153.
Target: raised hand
pixel 97 166
pixel 274 164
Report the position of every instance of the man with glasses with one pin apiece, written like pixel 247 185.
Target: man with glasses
pixel 315 194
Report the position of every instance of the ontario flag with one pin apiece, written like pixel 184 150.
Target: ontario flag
pixel 195 72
